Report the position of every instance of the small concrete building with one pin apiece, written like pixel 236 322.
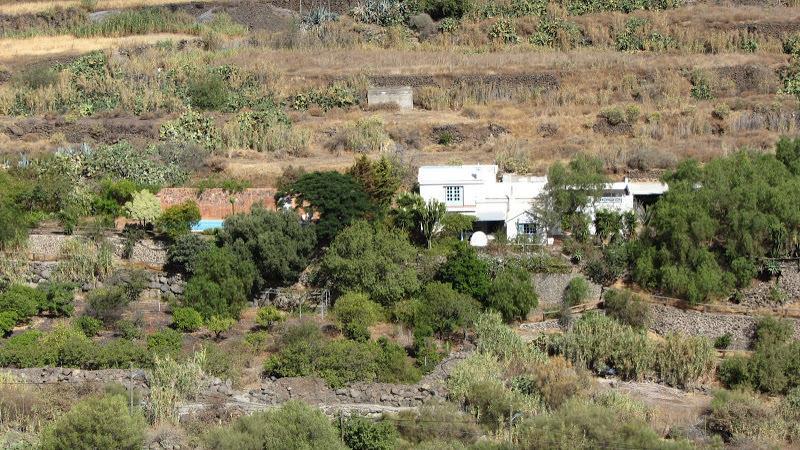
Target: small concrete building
pixel 506 204
pixel 402 96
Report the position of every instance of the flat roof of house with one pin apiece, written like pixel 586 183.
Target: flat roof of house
pixel 457 174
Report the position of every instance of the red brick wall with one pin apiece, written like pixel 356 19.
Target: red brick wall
pixel 214 203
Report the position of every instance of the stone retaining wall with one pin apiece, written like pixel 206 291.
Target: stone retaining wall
pixel 667 319
pixel 47 247
pixel 759 293
pixel 550 288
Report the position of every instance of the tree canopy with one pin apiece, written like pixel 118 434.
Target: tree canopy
pixel 371 259
pixel 337 199
pixel 707 233
pixel 276 241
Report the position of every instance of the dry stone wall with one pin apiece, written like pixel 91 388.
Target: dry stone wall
pixel 550 288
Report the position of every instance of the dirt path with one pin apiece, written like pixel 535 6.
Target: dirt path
pixel 12 49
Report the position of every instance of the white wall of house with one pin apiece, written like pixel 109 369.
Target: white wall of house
pixel 475 190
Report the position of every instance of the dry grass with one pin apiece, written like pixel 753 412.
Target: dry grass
pixel 11 49
pixel 15 8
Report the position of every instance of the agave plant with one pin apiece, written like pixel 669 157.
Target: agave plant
pixel 319 16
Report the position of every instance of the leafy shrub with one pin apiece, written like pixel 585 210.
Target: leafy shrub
pixel 356 313
pixel 366 135
pixel 383 12
pixel 106 303
pixel 268 316
pixel 681 360
pixel 219 325
pixel 24 301
pixel 555 382
pixel 184 251
pixel 627 308
pixel 8 320
pixel 576 292
pixel 178 220
pixel 186 319
pixel 276 241
pixel 192 127
pixel 734 372
pixel 361 433
pixel 89 325
pixel 304 352
pixel 791 45
pixel 436 421
pixel 600 343
pixel 371 259
pixel 701 86
pixel 476 369
pixel 608 266
pixel 97 422
pixel 337 95
pixel 466 272
pixel 144 207
pixel 590 425
pixel 736 414
pixel 293 425
pixel 722 341
pixel 441 9
pixel 58 299
pixel 222 283
pixel 207 91
pixel 444 310
pixel 498 340
pixel 166 341
pixel 512 294
pixel 128 329
pixel 505 31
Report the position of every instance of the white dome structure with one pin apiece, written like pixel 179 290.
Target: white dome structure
pixel 479 239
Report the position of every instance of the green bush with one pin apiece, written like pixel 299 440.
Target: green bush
pixel 361 433
pixel 106 303
pixel 576 292
pixel 443 310
pixel 512 294
pixel 8 320
pixel 441 9
pixel 681 360
pixel 791 45
pixel 371 259
pixel 294 425
pixel 601 343
pixel 268 316
pixel 734 372
pixel 207 91
pixel 182 253
pixel 627 308
pixel 178 220
pixel 186 319
pixel 505 31
pixel 437 421
pixel 579 425
pixel 356 313
pixel 219 325
pixel 166 341
pixel 722 342
pixel 192 127
pixel 466 272
pixel 383 12
pixel 304 352
pixel 500 341
pixel 96 422
pixel 22 300
pixel 89 325
pixel 554 382
pixel 58 299
pixel 222 283
pixel 737 415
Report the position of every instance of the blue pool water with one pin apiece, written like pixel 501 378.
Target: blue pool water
pixel 207 224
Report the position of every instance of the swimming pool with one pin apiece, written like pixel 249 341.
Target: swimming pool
pixel 207 224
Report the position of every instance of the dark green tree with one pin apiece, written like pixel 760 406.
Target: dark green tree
pixel 380 179
pixel 371 259
pixel 512 294
pixel 276 241
pixel 222 283
pixel 336 200
pixel 466 272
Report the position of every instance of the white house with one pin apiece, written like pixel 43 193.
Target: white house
pixel 506 203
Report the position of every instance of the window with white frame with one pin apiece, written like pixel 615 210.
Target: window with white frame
pixel 454 195
pixel 528 229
